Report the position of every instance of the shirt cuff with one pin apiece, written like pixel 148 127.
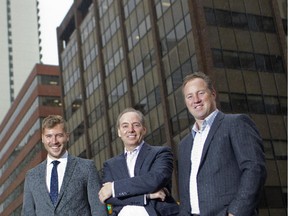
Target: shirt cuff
pixel 113 192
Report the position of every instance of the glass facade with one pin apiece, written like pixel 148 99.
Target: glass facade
pixel 117 54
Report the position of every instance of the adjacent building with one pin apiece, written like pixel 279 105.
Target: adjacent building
pixel 19 45
pixel 20 133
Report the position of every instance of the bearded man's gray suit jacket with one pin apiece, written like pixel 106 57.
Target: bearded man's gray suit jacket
pixel 153 171
pixel 78 194
pixel 232 168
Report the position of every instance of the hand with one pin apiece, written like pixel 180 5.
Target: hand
pixel 158 195
pixel 229 214
pixel 105 192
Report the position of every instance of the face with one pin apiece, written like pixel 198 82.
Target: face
pixel 55 140
pixel 131 130
pixel 199 99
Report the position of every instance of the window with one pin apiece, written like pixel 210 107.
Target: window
pixel 225 102
pixel 223 18
pixel 157 137
pixel 255 104
pixel 231 59
pixel 268 24
pixel 247 61
pixel 218 58
pixel 284 21
pixel 177 79
pixel 277 64
pixel 239 20
pixel 283 104
pixel 117 92
pixel 274 197
pixel 254 22
pixel 263 62
pixel 180 30
pixel 50 101
pixel 272 105
pixel 239 103
pixel 210 16
pixel 78 132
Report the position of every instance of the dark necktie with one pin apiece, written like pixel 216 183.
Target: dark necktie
pixel 54 183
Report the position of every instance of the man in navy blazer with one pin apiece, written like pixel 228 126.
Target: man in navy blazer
pixel 221 162
pixel 77 179
pixel 138 182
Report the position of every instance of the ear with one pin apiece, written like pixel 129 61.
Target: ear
pixel 68 136
pixel 214 93
pixel 144 130
pixel 119 134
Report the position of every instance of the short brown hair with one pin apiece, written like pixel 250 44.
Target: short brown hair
pixel 130 109
pixel 53 120
pixel 200 75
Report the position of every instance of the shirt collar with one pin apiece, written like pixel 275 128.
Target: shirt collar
pixel 137 149
pixel 207 121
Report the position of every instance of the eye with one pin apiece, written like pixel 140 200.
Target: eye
pixel 60 135
pixel 48 136
pixel 189 97
pixel 201 92
pixel 137 125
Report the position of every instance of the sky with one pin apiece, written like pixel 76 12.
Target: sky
pixel 52 12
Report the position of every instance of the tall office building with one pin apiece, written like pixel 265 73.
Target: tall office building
pixel 21 147
pixel 19 45
pixel 120 53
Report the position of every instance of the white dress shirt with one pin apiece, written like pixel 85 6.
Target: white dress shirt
pixel 60 169
pixel 132 210
pixel 200 136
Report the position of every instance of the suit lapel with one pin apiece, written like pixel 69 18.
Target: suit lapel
pixel 185 154
pixel 71 163
pixel 42 185
pixel 40 182
pixel 188 148
pixel 122 166
pixel 141 157
pixel 215 125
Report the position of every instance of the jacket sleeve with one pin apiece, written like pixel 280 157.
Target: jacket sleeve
pixel 28 207
pixel 134 200
pixel 248 149
pixel 157 177
pixel 93 187
pixel 184 166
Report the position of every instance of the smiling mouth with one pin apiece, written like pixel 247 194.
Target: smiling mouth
pixel 198 106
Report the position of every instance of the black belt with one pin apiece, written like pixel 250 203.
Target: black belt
pixel 195 215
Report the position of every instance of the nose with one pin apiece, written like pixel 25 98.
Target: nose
pixel 54 139
pixel 131 128
pixel 196 99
